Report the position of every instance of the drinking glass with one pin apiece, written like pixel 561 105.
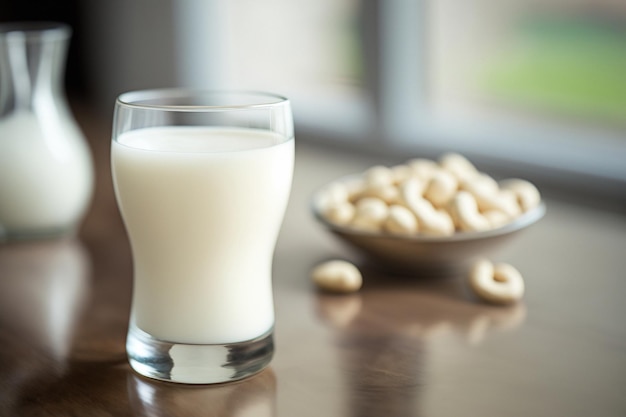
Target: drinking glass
pixel 202 181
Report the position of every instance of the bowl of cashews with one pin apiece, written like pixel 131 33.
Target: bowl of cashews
pixel 427 214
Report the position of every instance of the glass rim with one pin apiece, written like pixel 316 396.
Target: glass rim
pixel 147 99
pixel 34 30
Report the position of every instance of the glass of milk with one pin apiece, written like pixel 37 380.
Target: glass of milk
pixel 202 181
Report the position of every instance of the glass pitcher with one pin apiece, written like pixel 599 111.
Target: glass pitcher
pixel 46 169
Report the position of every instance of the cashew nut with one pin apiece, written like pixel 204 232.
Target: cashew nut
pixel 379 175
pixel 411 188
pixel 479 180
pixel 527 194
pixel 423 168
pixel 337 276
pixel 431 221
pixel 370 214
pixel 502 200
pixel 340 214
pixel 386 192
pixel 441 188
pixel 466 213
pixel 457 165
pixel 400 221
pixel 499 284
pixel 401 173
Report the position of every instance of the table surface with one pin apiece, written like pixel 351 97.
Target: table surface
pixel 402 346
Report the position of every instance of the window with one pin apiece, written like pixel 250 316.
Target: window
pixel 538 84
pixel 309 51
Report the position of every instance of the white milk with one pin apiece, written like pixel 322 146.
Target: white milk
pixel 203 208
pixel 46 175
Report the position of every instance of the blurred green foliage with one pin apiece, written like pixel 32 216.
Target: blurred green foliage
pixel 571 66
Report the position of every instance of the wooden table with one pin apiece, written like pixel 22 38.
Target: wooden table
pixel 402 346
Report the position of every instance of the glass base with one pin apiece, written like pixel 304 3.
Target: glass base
pixel 194 363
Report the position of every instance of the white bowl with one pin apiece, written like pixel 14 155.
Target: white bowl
pixel 428 253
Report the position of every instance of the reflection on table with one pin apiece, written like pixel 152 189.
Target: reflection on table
pixel 382 336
